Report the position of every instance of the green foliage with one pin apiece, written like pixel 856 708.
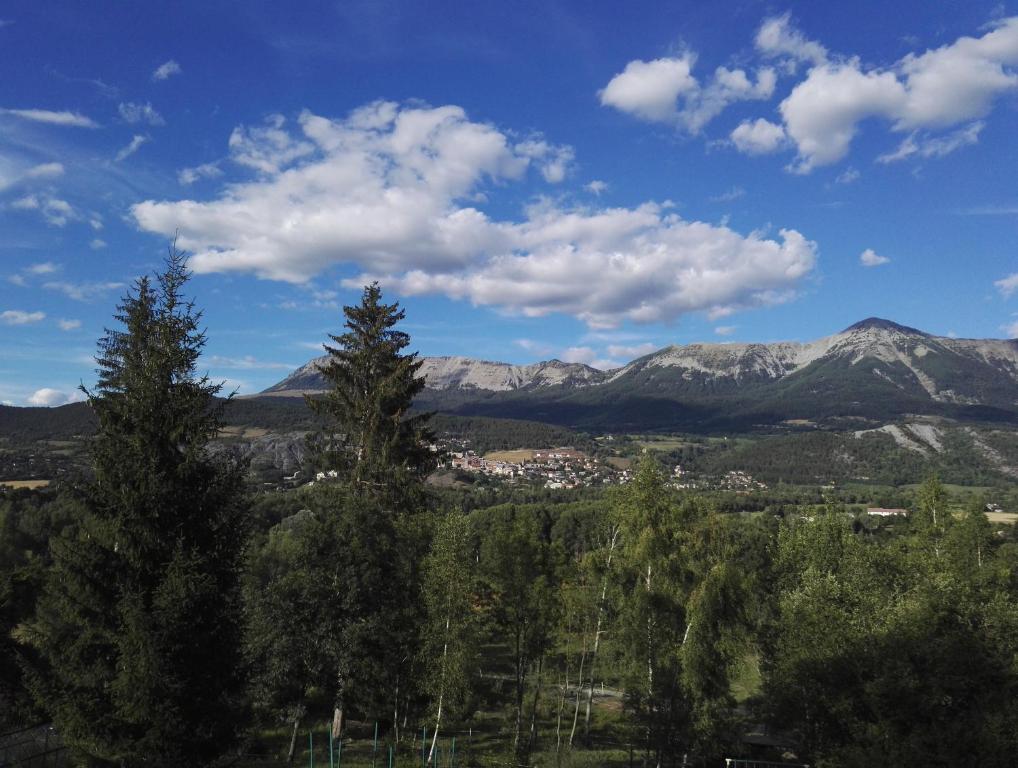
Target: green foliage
pixel 372 437
pixel 894 651
pixel 137 626
pixel 450 639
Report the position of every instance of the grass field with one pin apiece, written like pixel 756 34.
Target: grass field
pixel 24 483
pixel 1002 517
pixel 523 454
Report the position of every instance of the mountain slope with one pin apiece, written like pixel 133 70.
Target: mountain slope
pixel 873 371
pixel 458 373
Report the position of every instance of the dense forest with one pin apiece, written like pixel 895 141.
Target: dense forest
pixel 156 611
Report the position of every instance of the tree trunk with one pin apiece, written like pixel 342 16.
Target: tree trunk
pixel 441 691
pixel 298 715
pixel 579 691
pixel 533 708
pixel 597 633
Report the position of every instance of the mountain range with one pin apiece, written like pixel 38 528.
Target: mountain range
pixel 871 372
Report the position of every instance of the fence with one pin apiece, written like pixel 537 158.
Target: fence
pixel 36 746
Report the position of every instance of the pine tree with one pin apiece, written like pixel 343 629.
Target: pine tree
pixel 138 623
pixel 372 438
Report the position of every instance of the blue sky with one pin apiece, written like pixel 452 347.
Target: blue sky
pixel 530 180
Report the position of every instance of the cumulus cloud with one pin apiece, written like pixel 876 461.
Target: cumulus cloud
pixel 1007 285
pixel 758 137
pixel 42 268
pixel 20 317
pixel 1010 329
pixel 388 189
pixel 777 37
pixel 48 397
pixel 131 148
pixel 650 89
pixel 97 244
pixel 725 330
pixel 553 161
pixel 140 113
pixel 665 91
pixel 73 119
pixel 69 325
pixel 823 112
pixel 870 258
pixel 166 70
pixel 956 83
pixel 596 187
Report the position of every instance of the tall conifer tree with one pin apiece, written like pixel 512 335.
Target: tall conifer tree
pixel 372 439
pixel 365 542
pixel 138 623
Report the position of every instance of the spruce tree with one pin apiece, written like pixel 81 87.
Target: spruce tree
pixel 370 437
pixel 138 624
pixel 365 542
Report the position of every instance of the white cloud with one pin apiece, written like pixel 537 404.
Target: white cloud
pixel 140 113
pixel 778 38
pixel 553 161
pixel 187 176
pixel 96 222
pixel 758 137
pixel 69 325
pixel 652 90
pixel 934 146
pixel 97 244
pixel 822 113
pixel 131 148
pixel 958 82
pixel 42 268
pixel 268 148
pixel 649 89
pixel 82 291
pixel 166 70
pixel 72 119
pixel 1010 329
pixel 870 258
pixel 54 210
pixel 20 317
pixel 18 280
pixel 953 84
pixel 1007 285
pixel 45 171
pixel 387 189
pixel 725 330
pixel 596 187
pixel 48 397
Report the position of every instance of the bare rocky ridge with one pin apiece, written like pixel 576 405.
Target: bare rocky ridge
pixel 447 373
pixel 917 364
